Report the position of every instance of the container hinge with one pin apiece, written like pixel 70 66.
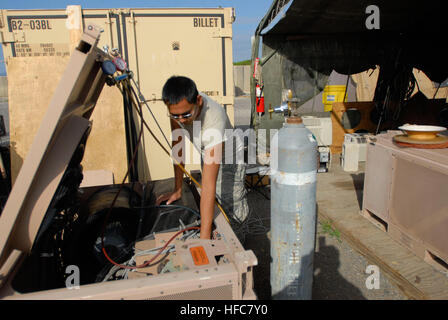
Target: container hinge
pixel 222 33
pixel 10 37
pixel 132 20
pixel 109 20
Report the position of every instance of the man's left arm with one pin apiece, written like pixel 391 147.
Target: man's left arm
pixel 212 161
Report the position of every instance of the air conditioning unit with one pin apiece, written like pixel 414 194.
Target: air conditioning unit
pixel 321 127
pixel 354 150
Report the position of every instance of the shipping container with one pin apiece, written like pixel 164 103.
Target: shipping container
pixel 155 43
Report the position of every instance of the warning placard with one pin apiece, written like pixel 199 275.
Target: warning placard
pixel 199 256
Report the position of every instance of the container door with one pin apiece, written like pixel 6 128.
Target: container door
pixel 162 43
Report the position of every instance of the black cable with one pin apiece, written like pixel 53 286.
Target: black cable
pixel 153 135
pixel 149 109
pixel 130 133
pixel 141 215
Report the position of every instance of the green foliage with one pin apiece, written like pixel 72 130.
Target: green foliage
pixel 242 63
pixel 327 228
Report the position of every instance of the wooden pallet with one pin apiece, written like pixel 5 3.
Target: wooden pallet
pixel 374 219
pixel 418 247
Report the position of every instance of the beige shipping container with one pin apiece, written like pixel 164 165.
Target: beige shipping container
pixel 155 43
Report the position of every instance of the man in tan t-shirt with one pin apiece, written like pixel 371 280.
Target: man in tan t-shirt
pixel 205 122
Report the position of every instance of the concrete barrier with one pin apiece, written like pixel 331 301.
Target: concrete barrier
pixel 241 78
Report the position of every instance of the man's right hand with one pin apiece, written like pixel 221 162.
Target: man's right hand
pixel 169 197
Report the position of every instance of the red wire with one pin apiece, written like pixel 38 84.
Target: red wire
pixel 147 262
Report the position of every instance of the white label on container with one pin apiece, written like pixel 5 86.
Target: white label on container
pixel 331 97
pixel 294 179
pixel 42 50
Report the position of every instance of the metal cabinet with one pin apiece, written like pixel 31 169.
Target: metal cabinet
pixel 405 194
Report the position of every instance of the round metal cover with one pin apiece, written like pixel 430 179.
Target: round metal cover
pixel 108 67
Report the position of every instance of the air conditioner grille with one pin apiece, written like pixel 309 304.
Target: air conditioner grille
pixel 216 293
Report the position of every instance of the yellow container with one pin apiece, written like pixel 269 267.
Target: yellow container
pixel 333 93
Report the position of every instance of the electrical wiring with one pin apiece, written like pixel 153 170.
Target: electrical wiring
pixel 115 268
pixel 144 265
pixel 167 251
pixel 126 271
pixel 252 225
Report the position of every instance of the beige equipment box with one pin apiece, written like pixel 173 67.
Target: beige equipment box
pixel 405 195
pixel 155 43
pixel 54 235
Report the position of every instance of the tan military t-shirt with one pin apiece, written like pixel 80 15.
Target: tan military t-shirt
pixel 209 127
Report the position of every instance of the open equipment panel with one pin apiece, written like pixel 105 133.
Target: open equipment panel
pixel 55 235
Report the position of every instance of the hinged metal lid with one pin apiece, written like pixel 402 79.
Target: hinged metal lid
pixel 59 135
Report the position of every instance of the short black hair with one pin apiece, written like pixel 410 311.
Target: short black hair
pixel 178 88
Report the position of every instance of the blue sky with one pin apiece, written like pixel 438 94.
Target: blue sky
pixel 248 14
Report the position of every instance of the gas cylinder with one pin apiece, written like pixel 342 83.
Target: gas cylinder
pixel 293 210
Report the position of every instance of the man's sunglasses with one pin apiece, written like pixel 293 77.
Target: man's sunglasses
pixel 185 115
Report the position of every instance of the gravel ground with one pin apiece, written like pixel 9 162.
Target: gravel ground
pixel 339 271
